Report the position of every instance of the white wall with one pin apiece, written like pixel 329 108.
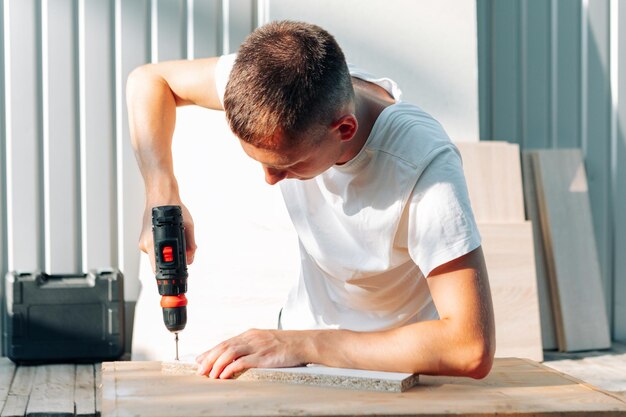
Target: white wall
pixel 427 46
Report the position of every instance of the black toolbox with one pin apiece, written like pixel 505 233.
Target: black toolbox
pixel 63 318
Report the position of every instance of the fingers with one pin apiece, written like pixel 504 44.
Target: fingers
pixel 235 367
pixel 190 238
pixel 146 240
pixel 214 361
pixel 190 242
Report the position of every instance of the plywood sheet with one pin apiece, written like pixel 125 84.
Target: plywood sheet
pixel 515 387
pixel 548 330
pixel 358 379
pixel 494 180
pixel 509 255
pixel 576 288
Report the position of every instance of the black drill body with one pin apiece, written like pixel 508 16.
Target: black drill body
pixel 171 264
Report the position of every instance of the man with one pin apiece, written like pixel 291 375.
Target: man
pixel 392 273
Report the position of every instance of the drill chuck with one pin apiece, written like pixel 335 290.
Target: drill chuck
pixel 171 264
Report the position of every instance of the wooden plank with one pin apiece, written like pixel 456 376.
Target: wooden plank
pixel 53 391
pixel 171 30
pixel 514 387
pixel 98 386
pixel 548 331
pixel 207 28
pixel 84 391
pixel 7 370
pixel 494 181
pixel 19 392
pixel 98 135
pixel 15 406
pixel 576 288
pixel 510 260
pixel 60 136
pixel 23 123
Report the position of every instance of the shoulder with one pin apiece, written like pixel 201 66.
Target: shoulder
pixel 406 132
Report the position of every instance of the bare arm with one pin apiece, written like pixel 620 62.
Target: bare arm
pixel 462 342
pixel 153 92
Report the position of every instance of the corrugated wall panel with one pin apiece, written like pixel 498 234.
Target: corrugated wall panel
pixel 535 43
pixel 60 136
pixel 170 37
pixel 506 70
pixel 596 134
pixel 207 28
pixel 97 111
pixel 545 83
pixel 133 49
pixel 618 175
pixel 23 134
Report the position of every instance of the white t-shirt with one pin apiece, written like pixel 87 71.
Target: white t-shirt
pixel 372 229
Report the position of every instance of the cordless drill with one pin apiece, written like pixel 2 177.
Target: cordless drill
pixel 171 266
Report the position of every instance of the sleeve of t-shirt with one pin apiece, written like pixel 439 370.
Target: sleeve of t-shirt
pixel 441 225
pixel 222 73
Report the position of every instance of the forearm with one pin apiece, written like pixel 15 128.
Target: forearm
pixel 432 347
pixel 152 117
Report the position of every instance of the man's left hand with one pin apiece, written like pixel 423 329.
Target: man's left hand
pixel 253 349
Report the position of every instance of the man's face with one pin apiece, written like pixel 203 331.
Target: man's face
pixel 302 162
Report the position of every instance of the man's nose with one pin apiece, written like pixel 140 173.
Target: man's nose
pixel 273 176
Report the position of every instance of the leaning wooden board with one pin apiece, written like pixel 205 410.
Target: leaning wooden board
pixel 573 268
pixel 509 255
pixel 548 329
pixel 494 180
pixel 515 387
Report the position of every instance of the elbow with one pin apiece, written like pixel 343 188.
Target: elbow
pixel 136 79
pixel 478 360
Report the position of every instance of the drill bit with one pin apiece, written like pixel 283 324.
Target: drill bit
pixel 176 339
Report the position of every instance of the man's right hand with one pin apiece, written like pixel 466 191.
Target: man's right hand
pixel 146 239
pixel 153 92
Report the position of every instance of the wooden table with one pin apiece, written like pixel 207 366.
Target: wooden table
pixel 515 387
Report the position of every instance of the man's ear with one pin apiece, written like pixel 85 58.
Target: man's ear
pixel 345 127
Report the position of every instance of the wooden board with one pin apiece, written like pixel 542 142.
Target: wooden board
pixel 508 250
pixel 515 387
pixel 7 370
pixel 47 390
pixel 320 375
pixel 576 287
pixel 19 392
pixel 53 391
pixel 548 330
pixel 494 180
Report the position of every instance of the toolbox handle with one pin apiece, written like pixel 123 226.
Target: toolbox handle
pixel 66 280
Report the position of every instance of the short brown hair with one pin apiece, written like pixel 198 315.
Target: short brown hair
pixel 287 77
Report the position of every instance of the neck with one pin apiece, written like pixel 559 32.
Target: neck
pixel 368 104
